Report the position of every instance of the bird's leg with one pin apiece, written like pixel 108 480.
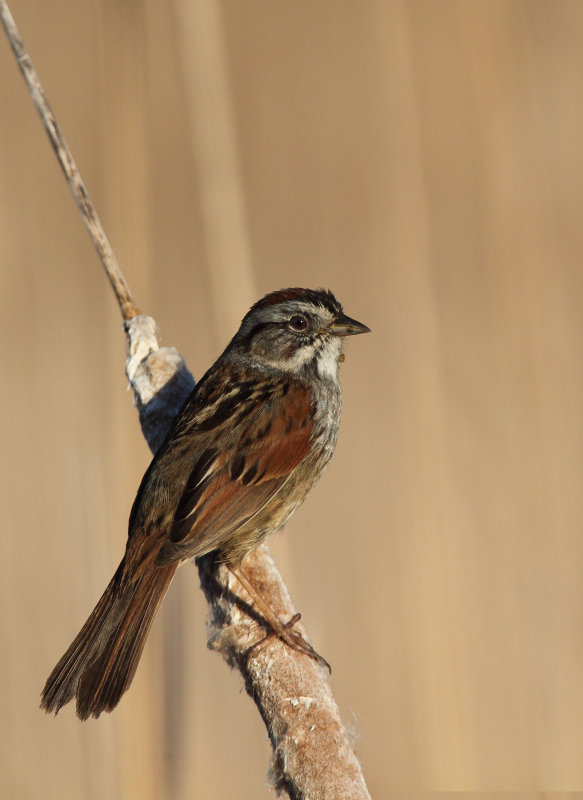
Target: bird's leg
pixel 283 630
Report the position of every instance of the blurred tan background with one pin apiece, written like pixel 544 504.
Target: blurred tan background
pixel 423 160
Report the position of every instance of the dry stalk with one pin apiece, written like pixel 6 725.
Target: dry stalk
pixel 88 213
pixel 312 755
pixel 312 758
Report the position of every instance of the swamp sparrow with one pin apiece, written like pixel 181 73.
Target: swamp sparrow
pixel 253 437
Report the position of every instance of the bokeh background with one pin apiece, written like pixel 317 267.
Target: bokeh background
pixel 424 160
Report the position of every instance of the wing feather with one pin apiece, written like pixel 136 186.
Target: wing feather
pixel 226 474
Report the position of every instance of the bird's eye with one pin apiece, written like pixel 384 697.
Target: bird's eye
pixel 298 322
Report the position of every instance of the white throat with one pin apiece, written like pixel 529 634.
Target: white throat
pixel 328 359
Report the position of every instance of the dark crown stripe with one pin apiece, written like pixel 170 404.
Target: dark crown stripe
pixel 319 297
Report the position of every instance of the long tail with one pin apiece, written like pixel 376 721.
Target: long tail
pixel 101 662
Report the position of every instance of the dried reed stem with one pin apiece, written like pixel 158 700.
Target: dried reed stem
pixel 126 303
pixel 312 755
pixel 312 758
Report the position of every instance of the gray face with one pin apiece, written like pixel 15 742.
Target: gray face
pixel 292 336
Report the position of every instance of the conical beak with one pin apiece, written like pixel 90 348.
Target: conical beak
pixel 346 326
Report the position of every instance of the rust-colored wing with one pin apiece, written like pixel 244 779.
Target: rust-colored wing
pixel 212 478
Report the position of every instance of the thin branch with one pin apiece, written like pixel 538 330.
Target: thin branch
pixel 124 298
pixel 312 754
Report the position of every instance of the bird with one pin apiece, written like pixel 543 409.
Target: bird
pixel 255 434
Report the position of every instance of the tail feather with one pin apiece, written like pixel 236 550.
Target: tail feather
pixel 101 662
